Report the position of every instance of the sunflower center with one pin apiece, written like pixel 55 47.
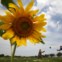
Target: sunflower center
pixel 23 26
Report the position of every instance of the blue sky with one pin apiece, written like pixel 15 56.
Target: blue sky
pixel 53 11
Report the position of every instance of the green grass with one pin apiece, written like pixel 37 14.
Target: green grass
pixel 28 59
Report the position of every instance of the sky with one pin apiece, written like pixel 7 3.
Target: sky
pixel 53 12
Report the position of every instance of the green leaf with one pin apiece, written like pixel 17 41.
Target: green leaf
pixel 1 23
pixel 1 32
pixel 42 41
pixel 6 2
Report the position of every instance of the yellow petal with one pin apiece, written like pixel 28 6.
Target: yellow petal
pixel 33 40
pixel 33 12
pixel 21 6
pixel 40 18
pixel 19 41
pixel 13 6
pixel 36 34
pixel 23 41
pixel 29 6
pixel 9 14
pixel 35 37
pixel 43 29
pixel 10 17
pixel 39 26
pixel 43 36
pixel 42 15
pixel 20 3
pixel 15 9
pixel 13 40
pixel 5 26
pixel 8 34
pixel 4 19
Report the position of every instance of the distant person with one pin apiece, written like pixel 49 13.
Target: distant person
pixel 40 53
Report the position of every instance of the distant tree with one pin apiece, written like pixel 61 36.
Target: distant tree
pixel 40 53
pixel 52 55
pixel 1 55
pixel 46 55
pixel 58 49
pixel 59 54
pixel 7 56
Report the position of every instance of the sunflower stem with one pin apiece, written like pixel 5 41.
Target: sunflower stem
pixel 13 52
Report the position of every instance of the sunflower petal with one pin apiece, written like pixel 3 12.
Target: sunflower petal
pixel 13 6
pixel 33 40
pixel 12 11
pixel 5 26
pixel 29 6
pixel 18 42
pixel 15 9
pixel 39 26
pixel 4 19
pixel 42 15
pixel 13 40
pixel 40 18
pixel 35 37
pixel 33 13
pixel 20 3
pixel 43 29
pixel 23 41
pixel 10 17
pixel 9 14
pixel 21 6
pixel 38 35
pixel 9 34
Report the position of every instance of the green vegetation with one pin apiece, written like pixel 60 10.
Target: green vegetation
pixel 31 59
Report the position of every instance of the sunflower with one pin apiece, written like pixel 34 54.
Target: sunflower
pixel 22 23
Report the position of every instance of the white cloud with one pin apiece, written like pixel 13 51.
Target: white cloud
pixel 57 6
pixel 42 3
pixel 52 24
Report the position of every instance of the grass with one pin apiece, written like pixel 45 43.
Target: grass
pixel 31 59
